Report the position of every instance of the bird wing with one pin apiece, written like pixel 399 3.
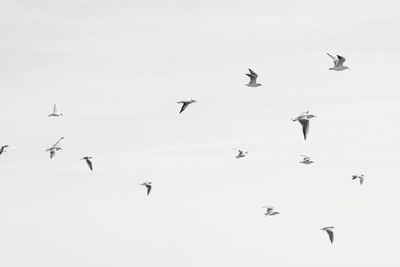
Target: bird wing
pixel 89 163
pixel 330 234
pixel 340 61
pixel 2 150
pixel 335 59
pixel 184 106
pixel 58 142
pixel 306 125
pixel 148 188
pixel 253 76
pixel 52 153
pixel 55 109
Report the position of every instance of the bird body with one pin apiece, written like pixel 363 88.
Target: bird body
pixel 54 148
pixel 329 231
pixel 253 79
pixel 270 211
pixel 185 104
pixel 148 186
pixel 338 63
pixel 360 177
pixel 304 120
pixel 241 154
pixel 306 160
pixel 88 162
pixel 56 111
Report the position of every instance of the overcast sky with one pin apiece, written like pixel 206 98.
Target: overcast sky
pixel 117 68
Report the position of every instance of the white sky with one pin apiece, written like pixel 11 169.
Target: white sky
pixel 117 68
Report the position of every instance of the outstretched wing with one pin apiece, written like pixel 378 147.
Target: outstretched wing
pixel 52 153
pixel 89 163
pixel 184 106
pixel 330 234
pixel 58 142
pixel 335 59
pixel 148 186
pixel 340 61
pixel 305 125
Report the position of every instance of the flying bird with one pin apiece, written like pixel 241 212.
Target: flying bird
pixel 185 104
pixel 338 63
pixel 148 186
pixel 3 149
pixel 89 162
pixel 53 151
pixel 241 154
pixel 253 79
pixel 54 148
pixel 361 177
pixel 329 231
pixel 304 120
pixel 270 211
pixel 306 160
pixel 56 112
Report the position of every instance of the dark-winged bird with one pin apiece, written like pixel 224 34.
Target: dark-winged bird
pixel 253 79
pixel 329 231
pixel 304 120
pixel 89 162
pixel 148 186
pixel 185 104
pixel 338 63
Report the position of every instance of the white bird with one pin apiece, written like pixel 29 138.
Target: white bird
pixel 89 162
pixel 56 112
pixel 185 104
pixel 270 211
pixel 148 186
pixel 338 63
pixel 361 177
pixel 253 79
pixel 54 148
pixel 3 148
pixel 241 154
pixel 304 120
pixel 329 231
pixel 306 160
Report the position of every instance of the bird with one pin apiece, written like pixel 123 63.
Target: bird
pixel 329 231
pixel 241 154
pixel 56 112
pixel 3 148
pixel 53 151
pixel 89 162
pixel 185 104
pixel 253 79
pixel 338 63
pixel 148 186
pixel 361 177
pixel 306 160
pixel 270 211
pixel 54 148
pixel 304 120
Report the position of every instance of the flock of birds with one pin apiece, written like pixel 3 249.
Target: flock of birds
pixel 303 119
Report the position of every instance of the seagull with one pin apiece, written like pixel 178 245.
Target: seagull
pixel 338 63
pixel 361 177
pixel 89 163
pixel 54 148
pixel 186 104
pixel 253 79
pixel 3 149
pixel 329 231
pixel 56 112
pixel 306 160
pixel 148 186
pixel 53 151
pixel 270 211
pixel 241 154
pixel 304 120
